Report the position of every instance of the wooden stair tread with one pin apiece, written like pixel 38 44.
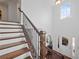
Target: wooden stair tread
pixel 56 55
pixel 11 45
pixel 11 32
pixel 12 38
pixel 29 57
pixel 14 54
pixel 14 45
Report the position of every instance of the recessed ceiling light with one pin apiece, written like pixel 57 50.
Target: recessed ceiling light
pixel 58 2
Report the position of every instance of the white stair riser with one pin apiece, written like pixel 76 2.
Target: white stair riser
pixel 8 22
pixel 10 30
pixel 12 26
pixel 24 56
pixel 3 42
pixel 11 35
pixel 12 49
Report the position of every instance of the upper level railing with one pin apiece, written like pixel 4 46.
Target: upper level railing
pixel 37 37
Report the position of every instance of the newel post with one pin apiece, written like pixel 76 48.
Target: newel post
pixel 43 50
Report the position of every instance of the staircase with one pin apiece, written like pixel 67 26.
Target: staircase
pixel 16 43
pixel 13 44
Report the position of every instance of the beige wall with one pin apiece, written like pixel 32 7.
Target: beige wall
pixel 4 8
pixel 13 12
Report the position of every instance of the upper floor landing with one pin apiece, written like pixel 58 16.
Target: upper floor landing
pixel 9 10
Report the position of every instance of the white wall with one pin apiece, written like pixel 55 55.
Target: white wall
pixel 67 27
pixel 46 16
pixel 75 17
pixel 39 12
pixel 4 9
pixel 62 28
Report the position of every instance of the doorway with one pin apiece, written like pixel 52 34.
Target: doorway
pixel 0 14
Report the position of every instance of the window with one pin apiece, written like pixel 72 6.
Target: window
pixel 65 11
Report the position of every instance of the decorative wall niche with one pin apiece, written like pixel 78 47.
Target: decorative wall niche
pixel 64 41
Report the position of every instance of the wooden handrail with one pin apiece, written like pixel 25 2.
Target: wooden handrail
pixel 43 49
pixel 29 21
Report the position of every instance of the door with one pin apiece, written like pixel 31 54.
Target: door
pixel 0 14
